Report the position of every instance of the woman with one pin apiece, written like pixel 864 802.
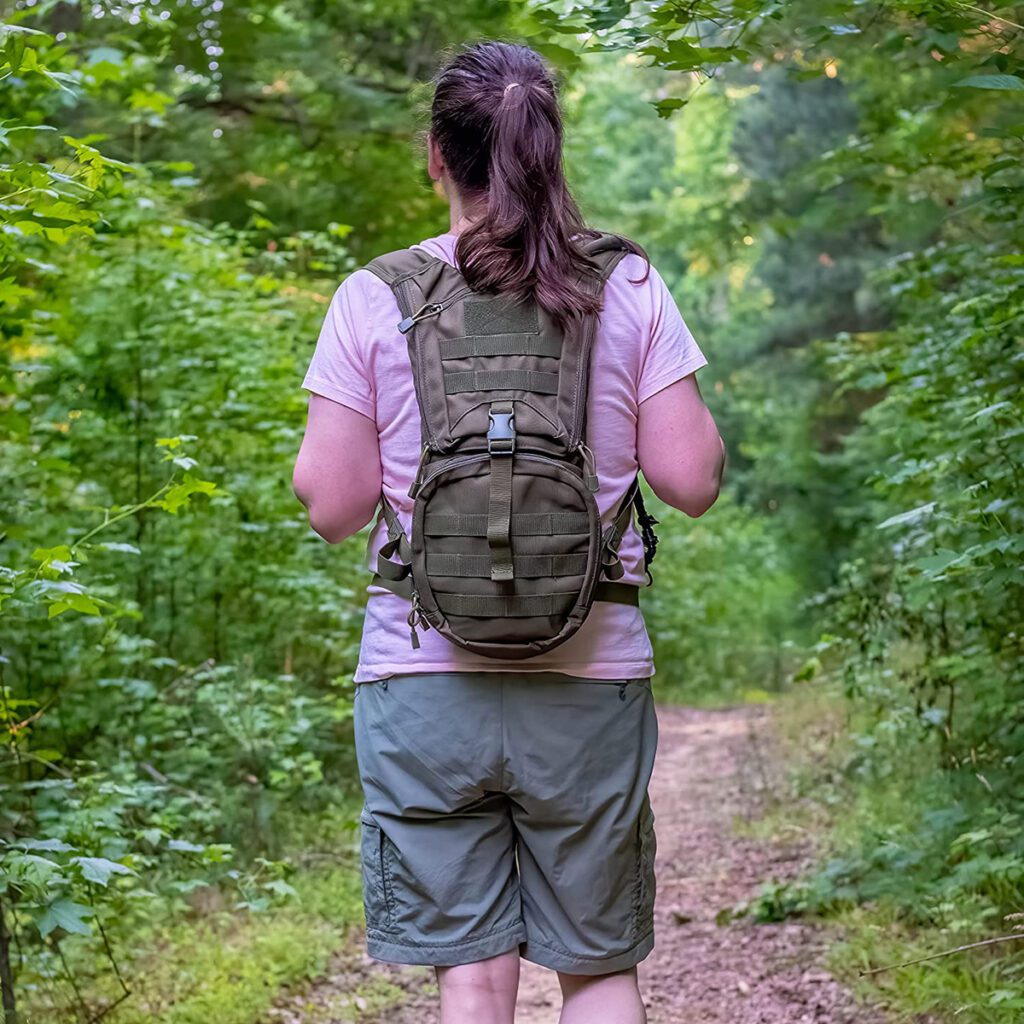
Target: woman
pixel 507 812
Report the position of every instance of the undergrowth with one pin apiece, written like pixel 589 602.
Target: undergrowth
pixel 911 863
pixel 212 962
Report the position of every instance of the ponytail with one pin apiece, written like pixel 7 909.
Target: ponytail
pixel 496 120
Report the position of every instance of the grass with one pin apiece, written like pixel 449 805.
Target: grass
pixel 367 999
pixel 971 987
pixel 232 968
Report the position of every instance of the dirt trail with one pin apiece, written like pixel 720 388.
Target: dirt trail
pixel 711 770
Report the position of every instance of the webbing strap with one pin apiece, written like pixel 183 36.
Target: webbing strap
pixel 394 576
pixel 397 543
pixel 403 588
pixel 527 566
pixel 501 345
pixel 392 570
pixel 499 504
pixel 519 606
pixel 523 524
pixel 538 381
pixel 617 593
pixel 610 562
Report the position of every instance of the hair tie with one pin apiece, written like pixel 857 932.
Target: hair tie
pixel 511 85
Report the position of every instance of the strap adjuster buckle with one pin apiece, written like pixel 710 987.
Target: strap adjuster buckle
pixel 501 432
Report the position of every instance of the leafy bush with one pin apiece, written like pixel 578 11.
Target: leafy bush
pixel 724 606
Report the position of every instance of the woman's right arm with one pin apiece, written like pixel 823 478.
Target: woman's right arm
pixel 679 449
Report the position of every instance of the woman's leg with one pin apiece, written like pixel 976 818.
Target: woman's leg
pixel 483 992
pixel 601 998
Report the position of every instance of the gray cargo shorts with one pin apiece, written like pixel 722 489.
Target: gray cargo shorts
pixel 507 811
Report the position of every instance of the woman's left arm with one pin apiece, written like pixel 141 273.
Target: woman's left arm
pixel 337 473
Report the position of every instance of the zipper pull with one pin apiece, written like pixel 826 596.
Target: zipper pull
pixel 414 619
pixel 415 486
pixel 411 620
pixel 409 322
pixel 589 468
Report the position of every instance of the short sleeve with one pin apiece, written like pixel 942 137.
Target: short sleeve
pixel 338 369
pixel 672 353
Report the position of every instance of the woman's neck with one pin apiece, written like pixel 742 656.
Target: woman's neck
pixel 463 213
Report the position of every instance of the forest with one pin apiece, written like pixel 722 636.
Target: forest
pixel 832 190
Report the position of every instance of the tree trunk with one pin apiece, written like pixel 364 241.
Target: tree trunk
pixel 6 971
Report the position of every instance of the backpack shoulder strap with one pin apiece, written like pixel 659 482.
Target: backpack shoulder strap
pixel 605 250
pixel 417 279
pixel 395 267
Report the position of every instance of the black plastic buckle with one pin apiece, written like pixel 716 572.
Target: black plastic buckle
pixel 501 433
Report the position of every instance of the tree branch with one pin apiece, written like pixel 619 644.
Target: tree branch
pixel 1019 936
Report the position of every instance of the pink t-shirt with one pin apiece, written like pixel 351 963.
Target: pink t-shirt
pixel 361 361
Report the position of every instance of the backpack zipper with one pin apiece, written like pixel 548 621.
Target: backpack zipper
pixel 590 478
pixel 589 468
pixel 454 463
pixel 586 344
pixel 406 324
pixel 465 460
pixel 415 485
pixel 441 467
pixel 429 309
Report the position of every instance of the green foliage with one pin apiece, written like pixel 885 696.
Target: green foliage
pixel 171 634
pixel 869 379
pixel 833 193
pixel 208 961
pixel 721 608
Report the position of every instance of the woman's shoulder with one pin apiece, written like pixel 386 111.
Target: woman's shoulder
pixel 365 301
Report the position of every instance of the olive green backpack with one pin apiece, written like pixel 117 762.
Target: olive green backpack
pixel 507 553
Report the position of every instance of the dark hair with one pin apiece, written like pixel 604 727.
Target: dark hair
pixel 496 121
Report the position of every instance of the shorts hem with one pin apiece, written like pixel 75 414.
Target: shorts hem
pixel 571 963
pixel 381 946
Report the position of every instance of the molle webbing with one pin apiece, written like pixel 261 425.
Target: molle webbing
pixel 525 566
pixel 524 524
pixel 538 381
pixel 518 606
pixel 500 345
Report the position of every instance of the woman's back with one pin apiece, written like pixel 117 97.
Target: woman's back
pixel 361 361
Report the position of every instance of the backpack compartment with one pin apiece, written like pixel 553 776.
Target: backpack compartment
pixel 555 539
pixel 477 349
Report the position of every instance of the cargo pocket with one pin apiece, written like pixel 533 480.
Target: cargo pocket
pixel 377 894
pixel 646 885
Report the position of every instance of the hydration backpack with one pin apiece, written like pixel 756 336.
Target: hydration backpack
pixel 507 552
